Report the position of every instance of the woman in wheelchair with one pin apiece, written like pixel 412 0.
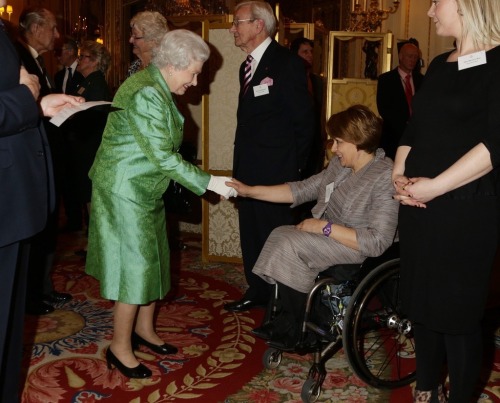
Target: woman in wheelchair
pixel 354 217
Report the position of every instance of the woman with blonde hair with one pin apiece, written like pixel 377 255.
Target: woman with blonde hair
pixel 444 179
pixel 147 28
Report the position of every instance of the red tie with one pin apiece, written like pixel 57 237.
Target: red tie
pixel 247 75
pixel 408 91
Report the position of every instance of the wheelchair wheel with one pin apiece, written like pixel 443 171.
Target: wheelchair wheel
pixel 377 337
pixel 272 358
pixel 310 391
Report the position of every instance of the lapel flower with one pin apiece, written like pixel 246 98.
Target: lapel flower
pixel 268 81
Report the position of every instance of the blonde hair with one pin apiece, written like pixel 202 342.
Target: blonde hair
pixel 152 24
pixel 97 52
pixel 480 22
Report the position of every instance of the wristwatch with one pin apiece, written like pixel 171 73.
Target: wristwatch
pixel 327 229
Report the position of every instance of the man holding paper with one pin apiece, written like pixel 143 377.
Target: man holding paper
pixel 26 198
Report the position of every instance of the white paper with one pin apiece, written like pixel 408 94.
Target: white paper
pixel 61 117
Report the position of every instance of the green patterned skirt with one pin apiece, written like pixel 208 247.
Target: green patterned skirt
pixel 128 248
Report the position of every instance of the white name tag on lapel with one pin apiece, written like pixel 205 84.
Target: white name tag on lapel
pixel 329 191
pixel 472 60
pixel 260 90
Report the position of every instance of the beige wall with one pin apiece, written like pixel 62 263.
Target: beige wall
pixel 411 21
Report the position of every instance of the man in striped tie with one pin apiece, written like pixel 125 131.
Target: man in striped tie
pixel 273 136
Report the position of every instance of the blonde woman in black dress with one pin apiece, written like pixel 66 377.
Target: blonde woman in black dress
pixel 444 179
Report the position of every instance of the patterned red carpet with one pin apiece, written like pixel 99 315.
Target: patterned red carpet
pixel 218 361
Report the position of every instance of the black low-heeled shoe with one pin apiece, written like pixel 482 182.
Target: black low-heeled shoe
pixel 141 371
pixel 163 349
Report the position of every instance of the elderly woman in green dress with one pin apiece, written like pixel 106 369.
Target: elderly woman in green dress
pixel 128 249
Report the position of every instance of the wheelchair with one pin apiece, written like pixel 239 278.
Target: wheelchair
pixel 364 317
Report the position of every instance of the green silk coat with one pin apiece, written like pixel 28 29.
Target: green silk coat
pixel 128 249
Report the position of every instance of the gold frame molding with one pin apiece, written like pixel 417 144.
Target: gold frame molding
pixel 343 92
pixel 220 229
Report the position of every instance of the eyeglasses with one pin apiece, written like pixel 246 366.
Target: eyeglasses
pixel 136 38
pixel 237 22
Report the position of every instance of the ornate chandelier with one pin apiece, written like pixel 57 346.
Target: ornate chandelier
pixel 369 17
pixel 187 7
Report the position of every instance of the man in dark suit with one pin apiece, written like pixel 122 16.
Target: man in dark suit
pixel 67 81
pixel 26 197
pixel 273 136
pixel 304 48
pixel 394 97
pixel 38 32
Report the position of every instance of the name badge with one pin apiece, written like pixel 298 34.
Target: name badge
pixel 329 191
pixel 260 90
pixel 472 60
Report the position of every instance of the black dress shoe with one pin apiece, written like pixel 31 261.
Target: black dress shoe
pixel 163 349
pixel 38 308
pixel 265 331
pixel 244 305
pixel 56 297
pixel 141 371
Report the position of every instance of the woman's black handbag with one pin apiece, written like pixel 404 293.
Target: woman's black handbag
pixel 177 198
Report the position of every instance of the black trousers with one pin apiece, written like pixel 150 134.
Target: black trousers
pixel 42 251
pixel 13 270
pixel 257 219
pixel 461 352
pixel 289 314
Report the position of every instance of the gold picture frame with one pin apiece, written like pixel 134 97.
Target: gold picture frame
pixel 355 60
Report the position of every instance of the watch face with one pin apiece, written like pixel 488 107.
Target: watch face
pixel 327 229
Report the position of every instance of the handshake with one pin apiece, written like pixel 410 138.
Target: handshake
pixel 217 184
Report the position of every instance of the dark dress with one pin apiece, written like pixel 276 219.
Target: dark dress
pixel 447 249
pixel 26 197
pixel 85 132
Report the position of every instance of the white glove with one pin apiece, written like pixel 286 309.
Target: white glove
pixel 218 186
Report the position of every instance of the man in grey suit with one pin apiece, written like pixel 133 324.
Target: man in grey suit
pixel 273 136
pixel 392 102
pixel 25 200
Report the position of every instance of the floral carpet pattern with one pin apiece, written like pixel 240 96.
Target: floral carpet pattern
pixel 219 360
